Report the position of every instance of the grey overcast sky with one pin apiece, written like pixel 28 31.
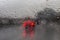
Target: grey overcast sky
pixel 22 8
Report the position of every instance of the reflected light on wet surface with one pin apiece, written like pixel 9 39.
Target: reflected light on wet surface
pixel 28 35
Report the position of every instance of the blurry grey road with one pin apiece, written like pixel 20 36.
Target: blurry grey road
pixel 41 33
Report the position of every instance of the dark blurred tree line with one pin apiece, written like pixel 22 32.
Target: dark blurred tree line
pixel 48 14
pixel 11 21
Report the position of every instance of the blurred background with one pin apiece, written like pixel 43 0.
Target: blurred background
pixel 14 12
pixel 18 9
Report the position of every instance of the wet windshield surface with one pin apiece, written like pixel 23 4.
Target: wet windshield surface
pixel 41 32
